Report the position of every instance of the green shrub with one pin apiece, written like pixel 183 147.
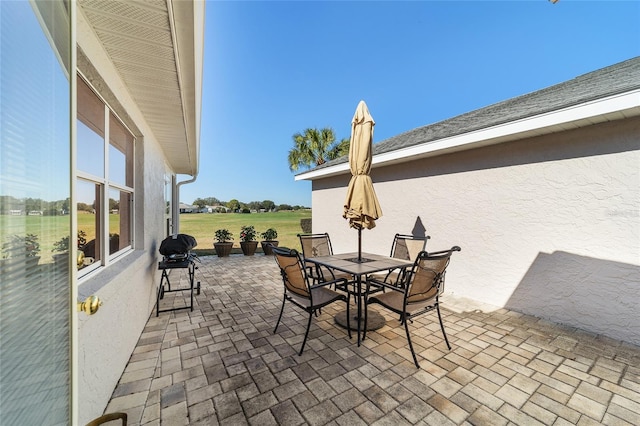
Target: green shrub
pixel 62 244
pixel 223 235
pixel 270 234
pixel 248 233
pixel 18 246
pixel 305 224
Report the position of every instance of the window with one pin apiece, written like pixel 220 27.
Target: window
pixel 168 196
pixel 35 189
pixel 104 181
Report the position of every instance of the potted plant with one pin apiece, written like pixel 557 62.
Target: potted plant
pixel 269 240
pixel 61 248
pixel 21 248
pixel 248 244
pixel 223 245
pixel 61 253
pixel 62 244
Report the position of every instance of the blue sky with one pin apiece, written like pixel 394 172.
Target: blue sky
pixel 275 68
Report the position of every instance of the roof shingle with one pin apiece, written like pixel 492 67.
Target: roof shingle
pixel 609 81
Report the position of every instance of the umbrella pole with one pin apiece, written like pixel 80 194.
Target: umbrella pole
pixel 360 245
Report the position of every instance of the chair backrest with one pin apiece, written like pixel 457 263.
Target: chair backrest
pixel 315 245
pixel 292 270
pixel 407 247
pixel 427 275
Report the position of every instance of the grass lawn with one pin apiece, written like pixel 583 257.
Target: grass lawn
pixel 50 229
pixel 203 226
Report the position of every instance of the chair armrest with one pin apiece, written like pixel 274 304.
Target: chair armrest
pixel 322 268
pixel 399 281
pixel 339 281
pixel 383 284
pixel 314 279
pixel 454 248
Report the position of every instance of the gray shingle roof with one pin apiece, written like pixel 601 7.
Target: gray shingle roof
pixel 615 79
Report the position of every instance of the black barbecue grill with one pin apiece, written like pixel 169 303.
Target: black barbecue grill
pixel 176 254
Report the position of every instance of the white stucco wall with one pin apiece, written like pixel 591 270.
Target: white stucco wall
pixel 549 226
pixel 127 288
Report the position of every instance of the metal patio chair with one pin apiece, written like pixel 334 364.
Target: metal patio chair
pixel 405 247
pixel 314 245
pixel 303 290
pixel 420 294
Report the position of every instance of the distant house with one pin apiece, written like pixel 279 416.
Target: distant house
pixel 187 208
pixel 215 209
pixel 541 192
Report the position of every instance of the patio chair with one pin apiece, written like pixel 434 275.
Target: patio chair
pixel 303 290
pixel 404 247
pixel 314 245
pixel 108 418
pixel 423 286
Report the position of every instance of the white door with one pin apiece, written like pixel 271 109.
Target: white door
pixel 36 294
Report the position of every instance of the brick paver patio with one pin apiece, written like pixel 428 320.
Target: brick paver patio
pixel 222 364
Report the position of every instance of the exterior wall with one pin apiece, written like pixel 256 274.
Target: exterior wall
pixel 127 287
pixel 548 226
pixel 127 290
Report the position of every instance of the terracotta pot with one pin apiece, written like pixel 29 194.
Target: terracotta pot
pixel 266 246
pixel 248 247
pixel 223 249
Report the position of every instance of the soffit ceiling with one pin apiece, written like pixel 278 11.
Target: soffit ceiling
pixel 153 46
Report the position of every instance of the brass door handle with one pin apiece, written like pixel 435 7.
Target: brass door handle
pixel 90 305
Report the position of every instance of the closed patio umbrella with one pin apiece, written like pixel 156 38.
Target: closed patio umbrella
pixel 361 205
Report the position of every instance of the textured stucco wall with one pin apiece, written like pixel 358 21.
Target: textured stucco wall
pixel 107 339
pixel 548 226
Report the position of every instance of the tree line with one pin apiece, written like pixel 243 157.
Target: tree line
pixel 235 205
pixel 9 204
pixel 311 148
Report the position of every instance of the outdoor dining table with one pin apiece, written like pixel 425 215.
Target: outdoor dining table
pixel 368 263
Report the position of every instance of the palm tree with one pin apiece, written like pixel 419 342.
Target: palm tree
pixel 314 147
pixel 339 149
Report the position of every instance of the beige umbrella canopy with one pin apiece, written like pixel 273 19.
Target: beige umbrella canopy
pixel 361 205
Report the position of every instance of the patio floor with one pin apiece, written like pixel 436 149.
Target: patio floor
pixel 222 364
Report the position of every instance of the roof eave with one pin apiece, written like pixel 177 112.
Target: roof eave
pixel 187 23
pixel 611 108
pixel 150 54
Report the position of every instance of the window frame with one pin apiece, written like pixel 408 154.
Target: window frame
pixel 105 187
